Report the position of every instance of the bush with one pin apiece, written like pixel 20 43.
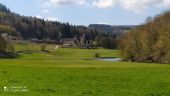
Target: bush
pixel 43 47
pixel 97 55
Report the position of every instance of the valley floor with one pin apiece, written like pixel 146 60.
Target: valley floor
pixel 74 72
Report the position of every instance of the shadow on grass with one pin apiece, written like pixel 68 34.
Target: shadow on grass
pixel 10 56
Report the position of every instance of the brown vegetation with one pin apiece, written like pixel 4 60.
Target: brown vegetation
pixel 149 42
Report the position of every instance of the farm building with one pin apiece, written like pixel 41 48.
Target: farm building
pixel 69 41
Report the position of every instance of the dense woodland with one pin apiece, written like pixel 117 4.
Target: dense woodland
pixel 32 27
pixel 149 42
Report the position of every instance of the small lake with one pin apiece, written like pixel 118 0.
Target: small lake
pixel 109 59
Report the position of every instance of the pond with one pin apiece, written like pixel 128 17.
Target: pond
pixel 109 59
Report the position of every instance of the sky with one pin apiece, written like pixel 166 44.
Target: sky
pixel 85 12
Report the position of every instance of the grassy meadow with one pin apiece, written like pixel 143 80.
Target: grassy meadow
pixel 74 72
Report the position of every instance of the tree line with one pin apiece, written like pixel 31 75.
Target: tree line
pixel 149 42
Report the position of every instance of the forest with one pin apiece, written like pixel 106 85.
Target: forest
pixel 32 27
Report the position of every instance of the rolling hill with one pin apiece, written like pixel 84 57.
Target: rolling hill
pixel 115 30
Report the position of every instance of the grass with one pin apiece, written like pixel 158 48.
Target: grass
pixel 31 47
pixel 73 72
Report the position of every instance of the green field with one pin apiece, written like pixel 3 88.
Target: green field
pixel 74 72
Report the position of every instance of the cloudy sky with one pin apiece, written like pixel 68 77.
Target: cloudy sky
pixel 84 12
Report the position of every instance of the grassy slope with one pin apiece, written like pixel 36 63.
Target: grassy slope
pixel 66 72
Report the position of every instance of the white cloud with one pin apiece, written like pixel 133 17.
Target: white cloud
pixel 65 2
pixel 45 11
pixel 103 3
pixel 51 18
pixel 136 6
pixel 106 23
pixel 139 6
pixel 46 4
pixel 39 16
pixel 165 3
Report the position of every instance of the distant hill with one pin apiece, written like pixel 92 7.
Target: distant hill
pixel 117 29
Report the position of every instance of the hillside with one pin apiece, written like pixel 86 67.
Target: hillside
pixel 32 27
pixel 116 30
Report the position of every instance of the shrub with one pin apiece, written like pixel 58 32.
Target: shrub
pixel 97 55
pixel 43 47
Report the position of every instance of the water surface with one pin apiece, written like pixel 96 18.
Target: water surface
pixel 110 59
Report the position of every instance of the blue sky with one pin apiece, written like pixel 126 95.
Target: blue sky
pixel 84 12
